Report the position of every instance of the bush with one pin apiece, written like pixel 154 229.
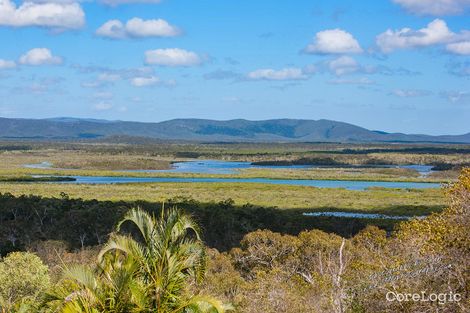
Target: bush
pixel 23 278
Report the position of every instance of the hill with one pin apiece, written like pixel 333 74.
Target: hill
pixel 239 130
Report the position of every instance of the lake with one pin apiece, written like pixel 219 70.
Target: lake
pixel 228 167
pixel 232 167
pixel 361 215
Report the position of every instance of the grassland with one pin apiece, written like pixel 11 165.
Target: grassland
pixel 71 162
pixel 376 200
pixel 81 160
pixel 111 159
pixel 398 175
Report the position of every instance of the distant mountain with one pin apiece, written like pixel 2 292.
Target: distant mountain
pixel 279 130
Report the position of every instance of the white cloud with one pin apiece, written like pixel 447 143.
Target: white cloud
pixel 332 41
pixel 462 48
pixel 290 73
pixel 434 7
pixel 343 65
pixel 51 14
pixel 103 106
pixel 39 56
pixel 172 57
pixel 137 28
pixel 409 93
pixel 112 29
pixel 6 64
pixel 434 33
pixel 118 2
pixel 144 81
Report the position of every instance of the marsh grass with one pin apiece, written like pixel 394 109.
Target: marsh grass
pixel 392 175
pixel 377 200
pixel 108 159
pixel 113 159
pixel 36 179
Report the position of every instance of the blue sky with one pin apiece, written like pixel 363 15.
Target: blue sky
pixel 392 65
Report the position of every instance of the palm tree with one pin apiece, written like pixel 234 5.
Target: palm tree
pixel 149 275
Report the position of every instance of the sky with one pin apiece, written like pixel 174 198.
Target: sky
pixel 390 65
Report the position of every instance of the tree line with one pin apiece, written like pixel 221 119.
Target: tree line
pixel 80 223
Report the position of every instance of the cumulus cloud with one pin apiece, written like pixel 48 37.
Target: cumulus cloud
pixel 290 73
pixel 137 28
pixel 343 65
pixel 109 76
pixel 333 41
pixel 462 48
pixel 50 14
pixel 119 2
pixel 172 57
pixel 434 33
pixel 6 64
pixel 434 7
pixel 409 93
pixel 144 81
pixel 40 56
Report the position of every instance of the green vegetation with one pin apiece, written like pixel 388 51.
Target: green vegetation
pixel 23 278
pixel 81 223
pixel 76 248
pixel 376 200
pixel 270 271
pixel 135 150
pixel 31 179
pixel 364 174
pixel 147 276
pixel 352 161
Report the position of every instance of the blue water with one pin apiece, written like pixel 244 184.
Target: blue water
pixel 225 167
pixel 361 215
pixel 232 167
pixel 213 167
pixel 347 184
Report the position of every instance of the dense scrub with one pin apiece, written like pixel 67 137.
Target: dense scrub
pixel 425 261
pixel 81 223
pixel 146 150
pixel 423 266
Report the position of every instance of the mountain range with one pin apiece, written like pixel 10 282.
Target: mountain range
pixel 238 130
